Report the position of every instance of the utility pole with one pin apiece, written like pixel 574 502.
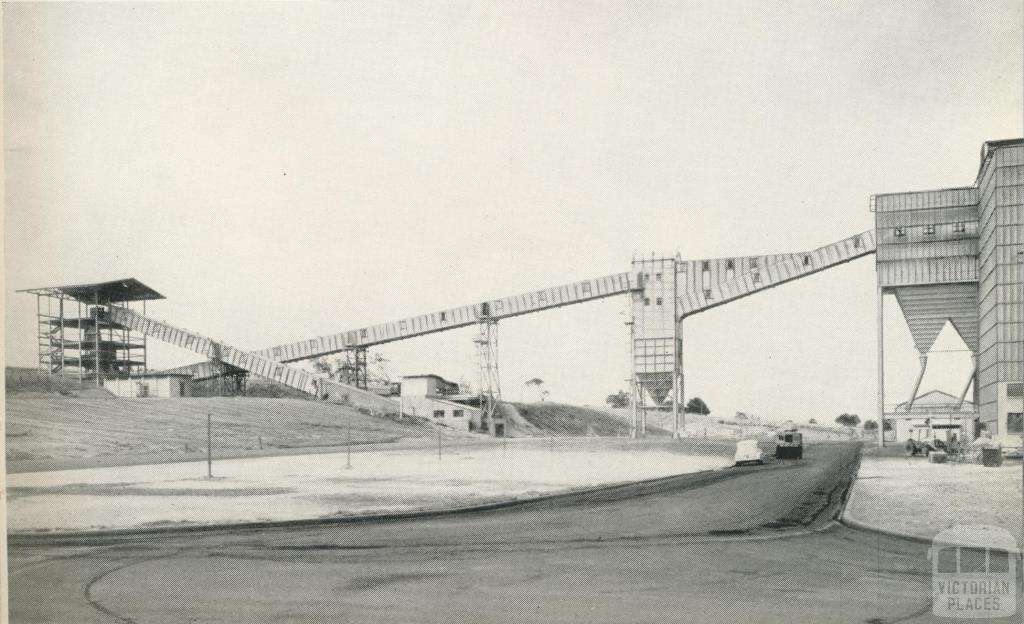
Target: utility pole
pixel 881 366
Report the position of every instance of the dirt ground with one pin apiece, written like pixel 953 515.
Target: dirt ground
pixel 695 548
pixel 321 485
pixel 910 495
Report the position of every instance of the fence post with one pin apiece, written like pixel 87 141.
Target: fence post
pixel 209 449
pixel 348 448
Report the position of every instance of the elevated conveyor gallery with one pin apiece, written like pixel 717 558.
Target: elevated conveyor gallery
pixel 724 286
pixel 288 375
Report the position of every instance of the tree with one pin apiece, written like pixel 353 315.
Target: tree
pixel 848 420
pixel 870 425
pixel 696 405
pixel 619 399
pixel 812 421
pixel 323 366
pixel 537 384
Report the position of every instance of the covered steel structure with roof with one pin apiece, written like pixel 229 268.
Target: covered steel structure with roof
pixel 77 339
pixel 954 256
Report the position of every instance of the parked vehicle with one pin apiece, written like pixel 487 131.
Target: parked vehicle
pixel 923 447
pixel 747 452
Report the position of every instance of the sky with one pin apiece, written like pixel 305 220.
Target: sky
pixel 285 170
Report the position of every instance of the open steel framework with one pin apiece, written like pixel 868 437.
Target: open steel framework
pixel 78 340
pixel 948 256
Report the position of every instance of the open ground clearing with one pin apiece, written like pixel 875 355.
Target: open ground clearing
pixel 910 495
pixel 712 546
pixel 319 486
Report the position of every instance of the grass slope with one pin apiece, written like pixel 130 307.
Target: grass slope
pixel 572 420
pixel 76 427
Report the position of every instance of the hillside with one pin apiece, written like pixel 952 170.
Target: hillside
pixel 559 419
pixel 46 432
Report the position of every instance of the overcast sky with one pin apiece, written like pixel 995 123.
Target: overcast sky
pixel 281 171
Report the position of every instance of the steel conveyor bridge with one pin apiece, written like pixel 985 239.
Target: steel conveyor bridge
pixel 712 289
pixel 697 297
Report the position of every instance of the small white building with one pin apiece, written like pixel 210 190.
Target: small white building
pixel 436 398
pixel 159 385
pixel 934 414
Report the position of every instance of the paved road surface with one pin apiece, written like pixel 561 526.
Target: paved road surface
pixel 750 544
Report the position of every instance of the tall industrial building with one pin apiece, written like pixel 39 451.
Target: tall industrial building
pixel 957 255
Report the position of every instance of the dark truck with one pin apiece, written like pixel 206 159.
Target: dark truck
pixel 789 444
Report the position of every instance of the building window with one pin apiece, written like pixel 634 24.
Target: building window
pixel 807 261
pixel 856 242
pixel 753 263
pixel 730 265
pixel 657 276
pixel 707 294
pixel 757 278
pixel 362 333
pixel 444 316
pixel 929 230
pixel 542 297
pixel 705 265
pixel 960 227
pixel 900 232
pixel 1015 422
pixel 402 326
pixel 438 413
pixel 647 301
pixel 456 413
pixel 585 288
pixel 657 301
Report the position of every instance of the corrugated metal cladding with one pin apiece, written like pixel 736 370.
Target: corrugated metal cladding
pixel 928 308
pixel 786 268
pixel 938 249
pixel 918 200
pixel 1000 182
pixel 927 237
pixel 657 350
pixel 453 318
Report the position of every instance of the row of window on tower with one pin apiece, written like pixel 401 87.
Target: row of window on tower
pixel 957 227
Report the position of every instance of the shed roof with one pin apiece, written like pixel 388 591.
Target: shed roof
pixel 936 399
pixel 205 370
pixel 431 376
pixel 122 290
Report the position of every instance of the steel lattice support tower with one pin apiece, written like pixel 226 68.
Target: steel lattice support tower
pixel 487 361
